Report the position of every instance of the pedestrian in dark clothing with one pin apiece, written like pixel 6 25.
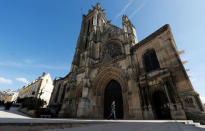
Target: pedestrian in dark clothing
pixel 113 113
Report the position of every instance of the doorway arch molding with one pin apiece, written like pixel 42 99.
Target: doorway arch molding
pixel 101 81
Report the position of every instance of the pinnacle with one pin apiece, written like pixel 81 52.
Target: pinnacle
pixel 98 6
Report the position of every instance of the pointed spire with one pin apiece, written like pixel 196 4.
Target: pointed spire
pixel 125 18
pixel 129 28
pixel 126 21
pixel 98 7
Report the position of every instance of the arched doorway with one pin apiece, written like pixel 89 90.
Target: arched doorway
pixel 113 92
pixel 161 105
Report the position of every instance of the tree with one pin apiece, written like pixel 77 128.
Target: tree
pixel 33 103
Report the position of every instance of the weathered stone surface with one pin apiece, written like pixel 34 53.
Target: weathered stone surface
pixel 153 81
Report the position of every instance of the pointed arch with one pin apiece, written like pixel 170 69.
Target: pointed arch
pixel 103 78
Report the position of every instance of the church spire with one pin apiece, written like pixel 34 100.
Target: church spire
pixel 129 28
pixel 98 7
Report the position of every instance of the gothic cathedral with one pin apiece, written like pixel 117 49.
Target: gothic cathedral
pixel 146 79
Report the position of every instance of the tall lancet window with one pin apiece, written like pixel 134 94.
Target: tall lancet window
pixel 88 33
pixel 150 61
pixel 63 94
pixel 57 93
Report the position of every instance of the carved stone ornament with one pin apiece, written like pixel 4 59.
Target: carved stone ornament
pixel 113 50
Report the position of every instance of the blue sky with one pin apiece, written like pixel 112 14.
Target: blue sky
pixel 40 35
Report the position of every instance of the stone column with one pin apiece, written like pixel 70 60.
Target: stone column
pixel 199 103
pixel 177 113
pixel 148 112
pixel 167 93
pixel 83 110
pixel 135 105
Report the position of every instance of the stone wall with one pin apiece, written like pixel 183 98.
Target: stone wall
pixel 104 53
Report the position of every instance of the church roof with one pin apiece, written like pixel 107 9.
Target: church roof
pixel 152 36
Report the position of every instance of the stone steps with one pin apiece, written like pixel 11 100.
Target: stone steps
pixel 196 124
pixel 75 122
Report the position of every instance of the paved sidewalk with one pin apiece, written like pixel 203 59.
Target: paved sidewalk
pixel 12 113
pixel 13 120
pixel 134 127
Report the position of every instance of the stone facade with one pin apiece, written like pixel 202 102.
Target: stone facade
pixel 146 79
pixel 40 88
pixel 8 96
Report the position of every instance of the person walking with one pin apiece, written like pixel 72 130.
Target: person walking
pixel 112 111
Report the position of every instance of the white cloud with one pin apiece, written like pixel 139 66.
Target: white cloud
pixel 29 61
pixel 23 80
pixel 137 10
pixel 30 64
pixel 11 63
pixel 5 81
pixel 202 99
pixel 124 9
pixel 57 67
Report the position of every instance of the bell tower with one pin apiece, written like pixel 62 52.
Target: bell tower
pixel 94 22
pixel 129 29
pixel 92 25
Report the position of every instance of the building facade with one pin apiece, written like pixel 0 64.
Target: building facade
pixel 2 94
pixel 40 88
pixel 146 79
pixel 25 91
pixel 8 96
